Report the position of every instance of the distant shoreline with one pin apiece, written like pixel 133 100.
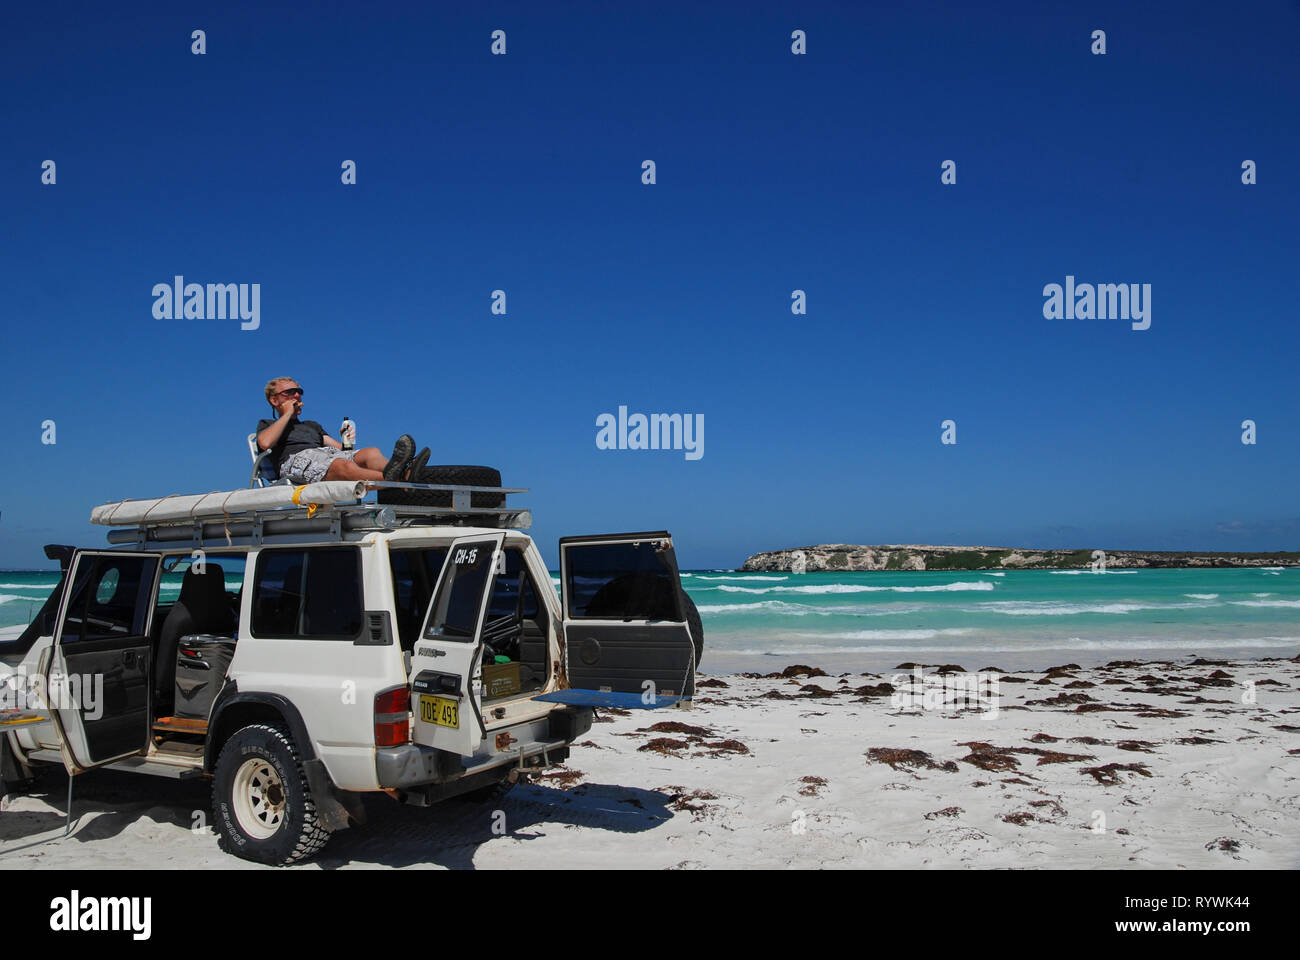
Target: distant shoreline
pixel 843 557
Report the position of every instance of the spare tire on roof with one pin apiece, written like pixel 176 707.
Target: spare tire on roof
pixel 461 476
pixel 695 624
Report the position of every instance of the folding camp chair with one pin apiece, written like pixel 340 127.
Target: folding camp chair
pixel 264 474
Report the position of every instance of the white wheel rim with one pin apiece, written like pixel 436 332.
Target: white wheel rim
pixel 259 799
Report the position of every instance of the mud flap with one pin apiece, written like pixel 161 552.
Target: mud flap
pixel 333 807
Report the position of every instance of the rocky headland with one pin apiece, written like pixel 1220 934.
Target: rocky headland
pixel 846 556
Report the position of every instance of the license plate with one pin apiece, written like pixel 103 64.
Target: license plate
pixel 440 711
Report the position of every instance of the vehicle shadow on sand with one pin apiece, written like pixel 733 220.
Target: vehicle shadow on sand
pixel 106 804
pixel 449 833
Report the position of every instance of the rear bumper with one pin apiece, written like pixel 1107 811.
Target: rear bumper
pixel 413 765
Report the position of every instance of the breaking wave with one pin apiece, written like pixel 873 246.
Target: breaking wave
pixel 863 588
pixel 1075 573
pixel 890 634
pixel 1060 608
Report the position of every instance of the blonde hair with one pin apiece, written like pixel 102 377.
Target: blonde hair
pixel 271 385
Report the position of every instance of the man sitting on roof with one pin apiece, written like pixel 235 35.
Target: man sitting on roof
pixel 302 452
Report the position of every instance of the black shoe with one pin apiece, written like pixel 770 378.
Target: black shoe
pixel 402 450
pixel 417 466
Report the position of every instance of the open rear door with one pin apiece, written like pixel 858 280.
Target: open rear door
pixel 626 639
pixel 447 663
pixel 98 680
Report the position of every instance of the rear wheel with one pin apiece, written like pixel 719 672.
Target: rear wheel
pixel 261 799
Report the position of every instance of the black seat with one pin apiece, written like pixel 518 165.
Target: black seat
pixel 202 607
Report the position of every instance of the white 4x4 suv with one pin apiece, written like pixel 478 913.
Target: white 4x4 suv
pixel 321 646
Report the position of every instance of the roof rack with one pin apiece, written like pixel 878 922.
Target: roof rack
pixel 284 514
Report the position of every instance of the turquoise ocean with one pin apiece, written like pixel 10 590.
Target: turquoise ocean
pixel 1009 619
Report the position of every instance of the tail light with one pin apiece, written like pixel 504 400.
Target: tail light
pixel 393 717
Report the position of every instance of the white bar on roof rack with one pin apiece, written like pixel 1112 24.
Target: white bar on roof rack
pixel 191 506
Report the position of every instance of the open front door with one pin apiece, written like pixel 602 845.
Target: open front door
pixel 625 630
pixel 447 664
pixel 98 680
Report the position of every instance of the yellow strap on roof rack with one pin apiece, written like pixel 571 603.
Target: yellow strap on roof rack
pixel 311 507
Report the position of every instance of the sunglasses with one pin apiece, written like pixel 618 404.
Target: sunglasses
pixel 291 391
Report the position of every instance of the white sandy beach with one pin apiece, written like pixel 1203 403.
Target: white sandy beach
pixel 809 773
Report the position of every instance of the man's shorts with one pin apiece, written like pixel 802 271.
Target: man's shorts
pixel 309 466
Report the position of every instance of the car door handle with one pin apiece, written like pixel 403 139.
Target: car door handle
pixel 129 658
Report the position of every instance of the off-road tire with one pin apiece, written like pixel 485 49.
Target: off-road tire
pixel 297 833
pixel 695 624
pixel 466 476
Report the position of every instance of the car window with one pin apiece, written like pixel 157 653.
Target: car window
pixel 232 567
pixel 314 592
pixel 620 581
pixel 506 589
pixel 456 607
pixel 415 574
pixel 109 599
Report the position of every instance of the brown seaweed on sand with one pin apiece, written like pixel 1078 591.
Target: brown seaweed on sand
pixel 1109 774
pixel 988 757
pixel 692 802
pixel 1053 756
pixel 1060 700
pixel 812 690
pixel 564 779
pixel 869 690
pixel 797 670
pixel 676 726
pixel 1226 844
pixel 811 786
pixel 1217 679
pixel 900 759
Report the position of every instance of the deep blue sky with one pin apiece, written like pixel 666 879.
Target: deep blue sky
pixel 775 172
